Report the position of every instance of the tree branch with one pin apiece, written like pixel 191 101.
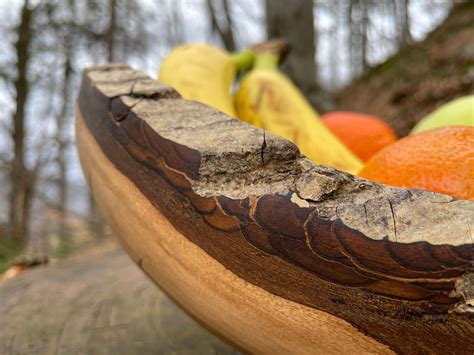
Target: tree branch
pixel 225 33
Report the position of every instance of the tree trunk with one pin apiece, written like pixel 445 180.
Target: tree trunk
pixel 230 31
pixel 19 197
pixel 403 20
pixel 96 224
pixel 358 17
pixel 225 31
pixel 364 24
pixel 111 31
pixel 294 20
pixel 61 137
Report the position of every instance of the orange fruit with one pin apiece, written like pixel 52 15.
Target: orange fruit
pixel 440 160
pixel 363 134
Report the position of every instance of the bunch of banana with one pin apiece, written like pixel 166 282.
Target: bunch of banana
pixel 204 73
pixel 266 98
pixel 269 100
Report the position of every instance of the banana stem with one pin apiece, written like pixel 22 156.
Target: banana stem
pixel 266 61
pixel 243 60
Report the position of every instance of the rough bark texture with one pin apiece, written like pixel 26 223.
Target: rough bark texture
pixel 392 262
pixel 97 302
pixel 421 77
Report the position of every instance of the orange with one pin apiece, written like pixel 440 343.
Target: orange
pixel 440 160
pixel 363 134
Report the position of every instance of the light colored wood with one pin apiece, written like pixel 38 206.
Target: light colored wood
pixel 241 312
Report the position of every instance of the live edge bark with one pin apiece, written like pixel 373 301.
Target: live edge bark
pixel 395 263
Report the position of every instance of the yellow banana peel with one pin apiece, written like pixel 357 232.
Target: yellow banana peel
pixel 269 100
pixel 204 73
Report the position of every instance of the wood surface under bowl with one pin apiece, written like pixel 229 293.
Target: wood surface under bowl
pixel 268 250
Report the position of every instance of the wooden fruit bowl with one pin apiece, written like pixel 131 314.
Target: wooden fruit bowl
pixel 268 250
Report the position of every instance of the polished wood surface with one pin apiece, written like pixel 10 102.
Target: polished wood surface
pixel 266 249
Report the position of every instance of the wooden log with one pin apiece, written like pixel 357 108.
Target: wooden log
pixel 270 251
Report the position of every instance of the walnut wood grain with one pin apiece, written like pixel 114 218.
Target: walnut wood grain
pixel 396 264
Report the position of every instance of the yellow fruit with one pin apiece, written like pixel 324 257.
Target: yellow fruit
pixel 203 73
pixel 269 100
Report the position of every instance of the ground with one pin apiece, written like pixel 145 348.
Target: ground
pixel 96 302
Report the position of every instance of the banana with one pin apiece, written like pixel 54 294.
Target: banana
pixel 269 100
pixel 204 73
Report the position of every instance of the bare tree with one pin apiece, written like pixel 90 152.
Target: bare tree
pixel 294 20
pixel 111 30
pixel 403 21
pixel 31 149
pixel 174 24
pixel 223 27
pixel 96 223
pixel 363 34
pixel 359 24
pixel 62 139
pixel 124 33
pixel 19 176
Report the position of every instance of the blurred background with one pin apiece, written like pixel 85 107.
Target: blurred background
pixel 393 58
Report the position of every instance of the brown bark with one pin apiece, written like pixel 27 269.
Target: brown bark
pixel 20 182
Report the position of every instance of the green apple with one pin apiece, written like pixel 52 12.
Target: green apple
pixel 458 112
